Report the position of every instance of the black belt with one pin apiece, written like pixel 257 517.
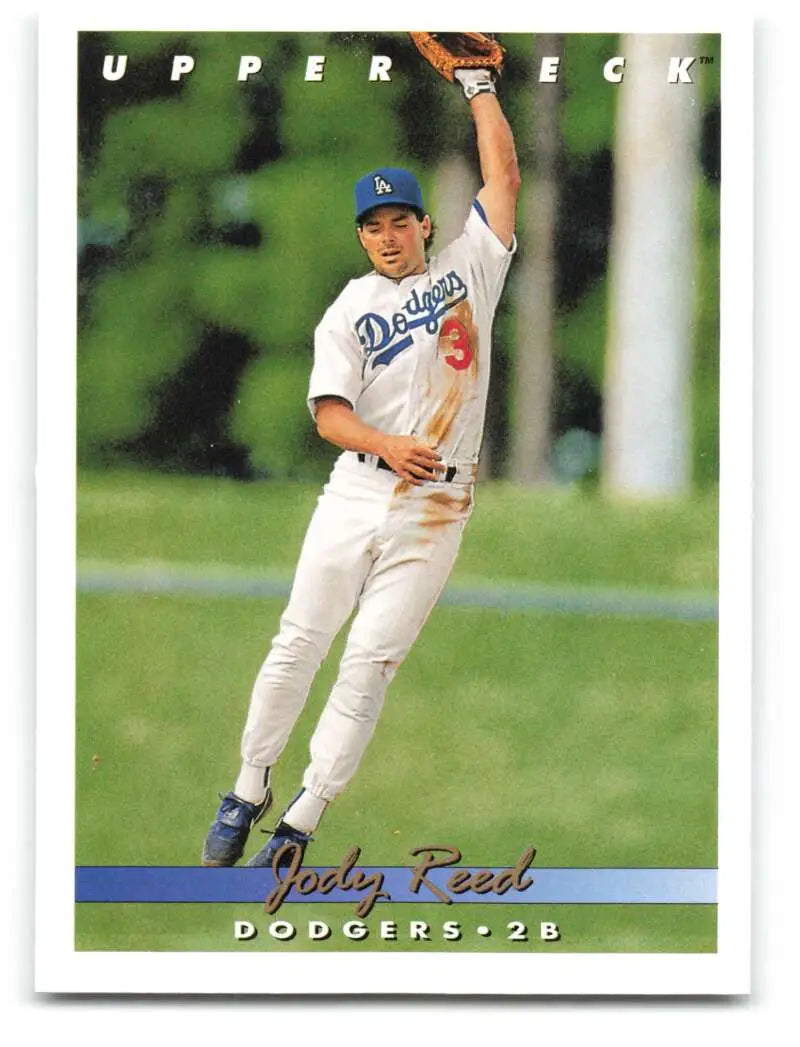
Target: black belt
pixel 450 472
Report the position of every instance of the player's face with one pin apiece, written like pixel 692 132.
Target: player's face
pixel 394 239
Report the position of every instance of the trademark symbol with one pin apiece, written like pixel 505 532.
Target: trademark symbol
pixel 706 59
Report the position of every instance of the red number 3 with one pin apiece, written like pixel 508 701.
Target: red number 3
pixel 459 353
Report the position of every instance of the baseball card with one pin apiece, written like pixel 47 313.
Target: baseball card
pixel 394 492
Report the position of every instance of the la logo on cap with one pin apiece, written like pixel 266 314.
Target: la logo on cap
pixel 381 186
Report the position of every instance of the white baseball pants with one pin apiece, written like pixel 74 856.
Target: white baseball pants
pixel 376 544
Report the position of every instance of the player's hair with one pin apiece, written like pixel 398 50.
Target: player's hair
pixel 414 210
pixel 431 235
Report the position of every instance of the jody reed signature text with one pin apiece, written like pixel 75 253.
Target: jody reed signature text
pixel 369 886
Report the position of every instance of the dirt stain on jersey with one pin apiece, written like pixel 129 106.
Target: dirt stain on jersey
pixel 439 425
pixel 450 383
pixel 457 343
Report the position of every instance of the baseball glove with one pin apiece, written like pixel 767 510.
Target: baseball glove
pixel 448 52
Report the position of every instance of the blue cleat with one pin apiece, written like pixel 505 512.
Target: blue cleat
pixel 282 836
pixel 228 834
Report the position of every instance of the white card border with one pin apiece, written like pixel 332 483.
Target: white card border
pixel 58 967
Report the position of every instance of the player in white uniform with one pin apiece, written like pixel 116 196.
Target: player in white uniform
pixel 399 382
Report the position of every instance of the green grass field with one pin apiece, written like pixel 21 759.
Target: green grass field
pixel 592 738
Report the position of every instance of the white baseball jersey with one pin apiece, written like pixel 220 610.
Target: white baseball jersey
pixel 412 356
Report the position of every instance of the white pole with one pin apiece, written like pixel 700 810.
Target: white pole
pixel 647 433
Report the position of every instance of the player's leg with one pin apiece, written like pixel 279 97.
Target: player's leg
pixel 335 557
pixel 402 588
pixel 334 561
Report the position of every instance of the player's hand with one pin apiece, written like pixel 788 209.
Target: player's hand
pixel 411 459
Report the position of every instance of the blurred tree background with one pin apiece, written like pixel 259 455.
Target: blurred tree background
pixel 215 226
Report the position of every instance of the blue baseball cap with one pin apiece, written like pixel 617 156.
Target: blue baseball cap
pixel 387 185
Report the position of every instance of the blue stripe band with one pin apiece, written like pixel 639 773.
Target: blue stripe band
pixel 552 886
pixel 478 207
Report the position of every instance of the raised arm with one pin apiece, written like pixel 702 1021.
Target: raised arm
pixel 499 167
pixel 474 61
